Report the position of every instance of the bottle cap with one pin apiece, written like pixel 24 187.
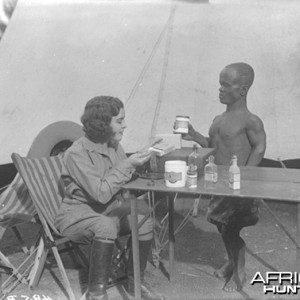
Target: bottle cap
pixel 211 158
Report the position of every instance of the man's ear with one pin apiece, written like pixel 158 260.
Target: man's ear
pixel 244 90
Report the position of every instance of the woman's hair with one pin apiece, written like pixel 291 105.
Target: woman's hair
pixel 97 116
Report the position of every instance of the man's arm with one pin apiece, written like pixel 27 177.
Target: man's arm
pixel 257 139
pixel 197 137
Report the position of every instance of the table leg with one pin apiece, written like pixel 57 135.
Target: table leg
pixel 298 239
pixel 171 237
pixel 135 249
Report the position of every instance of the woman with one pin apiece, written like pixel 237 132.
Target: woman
pixel 95 168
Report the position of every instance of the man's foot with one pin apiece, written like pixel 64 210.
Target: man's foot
pixel 235 284
pixel 225 271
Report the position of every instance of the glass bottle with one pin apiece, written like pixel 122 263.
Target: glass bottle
pixel 234 174
pixel 191 179
pixel 211 170
pixel 192 172
pixel 193 160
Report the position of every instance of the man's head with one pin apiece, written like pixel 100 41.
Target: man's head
pixel 244 72
pixel 235 81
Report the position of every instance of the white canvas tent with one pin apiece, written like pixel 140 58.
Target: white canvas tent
pixel 162 58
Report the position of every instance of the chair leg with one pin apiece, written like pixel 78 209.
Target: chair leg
pixel 63 273
pixel 36 271
pixel 39 264
pixel 9 265
pixel 40 259
pixel 20 273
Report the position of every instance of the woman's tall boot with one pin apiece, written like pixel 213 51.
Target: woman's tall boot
pixel 100 261
pixel 146 292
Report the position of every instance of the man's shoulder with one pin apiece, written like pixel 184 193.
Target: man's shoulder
pixel 253 118
pixel 244 118
pixel 218 117
pixel 255 123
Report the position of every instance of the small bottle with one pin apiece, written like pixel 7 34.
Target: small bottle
pixel 192 172
pixel 234 174
pixel 191 179
pixel 211 171
pixel 193 160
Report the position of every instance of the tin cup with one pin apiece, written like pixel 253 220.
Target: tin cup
pixel 181 124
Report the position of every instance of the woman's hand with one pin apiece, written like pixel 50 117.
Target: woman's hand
pixel 152 143
pixel 139 158
pixel 143 155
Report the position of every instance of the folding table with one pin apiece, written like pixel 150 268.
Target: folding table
pixel 256 182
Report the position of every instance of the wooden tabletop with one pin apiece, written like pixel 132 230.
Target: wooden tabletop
pixel 256 182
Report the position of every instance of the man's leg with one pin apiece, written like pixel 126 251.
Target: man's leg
pixel 225 272
pixel 236 246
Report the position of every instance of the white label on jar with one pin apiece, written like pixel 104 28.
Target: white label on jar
pixel 173 177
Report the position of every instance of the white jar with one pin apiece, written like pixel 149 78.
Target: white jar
pixel 175 173
pixel 182 124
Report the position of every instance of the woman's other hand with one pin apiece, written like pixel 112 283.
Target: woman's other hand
pixel 143 155
pixel 139 158
pixel 153 141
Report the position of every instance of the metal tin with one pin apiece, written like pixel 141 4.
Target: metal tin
pixel 191 180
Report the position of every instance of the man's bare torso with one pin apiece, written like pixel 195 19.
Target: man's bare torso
pixel 228 135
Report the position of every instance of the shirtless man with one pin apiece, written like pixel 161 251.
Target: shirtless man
pixel 235 132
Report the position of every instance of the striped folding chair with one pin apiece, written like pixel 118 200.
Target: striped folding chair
pixel 16 208
pixel 45 187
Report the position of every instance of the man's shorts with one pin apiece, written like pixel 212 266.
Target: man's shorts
pixel 224 210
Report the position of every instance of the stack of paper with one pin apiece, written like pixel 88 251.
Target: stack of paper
pixel 162 148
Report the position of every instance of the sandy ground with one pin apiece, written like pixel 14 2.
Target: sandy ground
pixel 198 251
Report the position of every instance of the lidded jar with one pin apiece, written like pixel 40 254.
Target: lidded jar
pixel 181 124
